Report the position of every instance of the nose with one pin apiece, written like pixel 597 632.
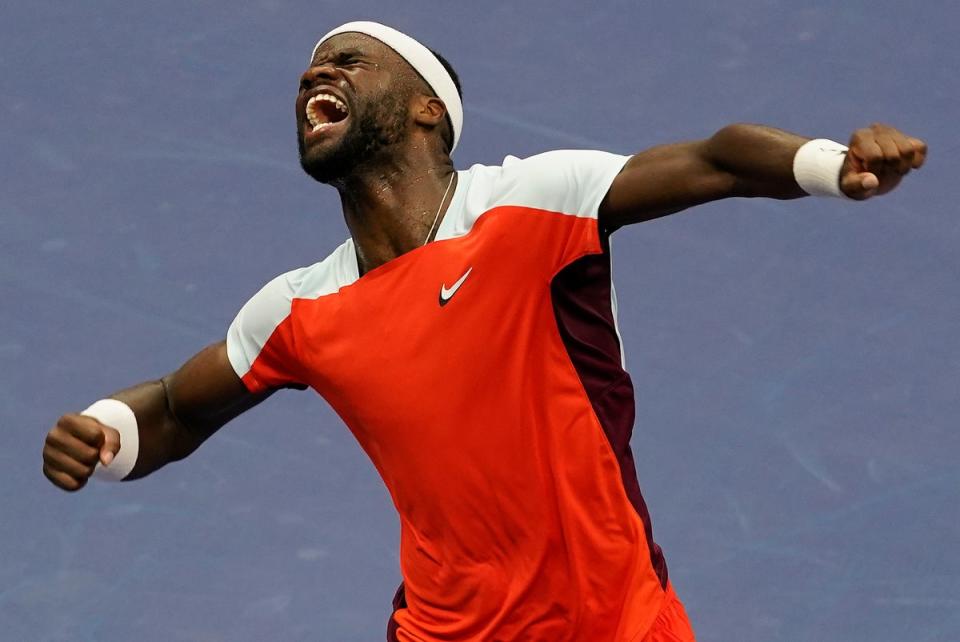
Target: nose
pixel 316 75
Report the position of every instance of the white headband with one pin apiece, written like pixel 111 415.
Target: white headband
pixel 419 57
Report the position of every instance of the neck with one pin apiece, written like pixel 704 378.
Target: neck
pixel 389 209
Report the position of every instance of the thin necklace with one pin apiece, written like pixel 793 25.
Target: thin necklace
pixel 442 200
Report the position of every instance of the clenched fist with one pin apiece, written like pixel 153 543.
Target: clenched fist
pixel 74 446
pixel 879 157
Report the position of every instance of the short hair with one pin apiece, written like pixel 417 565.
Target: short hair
pixel 450 70
pixel 448 134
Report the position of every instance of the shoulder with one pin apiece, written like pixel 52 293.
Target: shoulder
pixel 547 163
pixel 567 181
pixel 563 160
pixel 273 303
pixel 337 270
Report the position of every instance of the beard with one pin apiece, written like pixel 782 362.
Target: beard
pixel 375 127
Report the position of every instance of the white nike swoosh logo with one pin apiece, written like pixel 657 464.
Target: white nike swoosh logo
pixel 447 293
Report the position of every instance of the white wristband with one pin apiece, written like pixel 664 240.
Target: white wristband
pixel 119 416
pixel 816 167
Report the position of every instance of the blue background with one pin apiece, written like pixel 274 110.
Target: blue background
pixel 797 365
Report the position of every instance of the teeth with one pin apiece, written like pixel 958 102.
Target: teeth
pixel 313 109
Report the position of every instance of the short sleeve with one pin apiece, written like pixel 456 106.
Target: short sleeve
pixel 260 341
pixel 569 185
pixel 572 181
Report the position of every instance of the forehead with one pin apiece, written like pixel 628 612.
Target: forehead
pixel 358 43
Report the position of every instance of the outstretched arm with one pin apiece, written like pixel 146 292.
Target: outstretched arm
pixel 174 415
pixel 749 161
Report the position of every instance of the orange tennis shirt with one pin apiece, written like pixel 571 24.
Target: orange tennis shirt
pixel 483 375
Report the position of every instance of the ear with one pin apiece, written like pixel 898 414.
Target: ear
pixel 429 111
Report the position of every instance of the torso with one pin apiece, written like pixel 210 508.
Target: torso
pixel 482 375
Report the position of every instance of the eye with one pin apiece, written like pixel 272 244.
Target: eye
pixel 347 60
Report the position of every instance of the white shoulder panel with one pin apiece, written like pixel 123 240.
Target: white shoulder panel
pixel 571 182
pixel 267 309
pixel 338 270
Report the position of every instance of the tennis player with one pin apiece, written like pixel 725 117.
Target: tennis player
pixel 466 333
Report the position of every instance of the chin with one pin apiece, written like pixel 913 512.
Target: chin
pixel 322 171
pixel 336 155
pixel 323 163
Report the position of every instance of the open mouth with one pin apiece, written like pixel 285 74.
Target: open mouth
pixel 324 111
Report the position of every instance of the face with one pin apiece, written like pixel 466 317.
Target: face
pixel 352 107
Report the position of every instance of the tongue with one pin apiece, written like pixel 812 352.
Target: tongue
pixel 329 113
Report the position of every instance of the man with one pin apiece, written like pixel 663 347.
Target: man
pixel 466 333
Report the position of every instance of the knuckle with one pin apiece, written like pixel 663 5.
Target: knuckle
pixel 85 432
pixel 54 441
pixel 65 480
pixel 83 466
pixel 51 451
pixel 53 464
pixel 62 480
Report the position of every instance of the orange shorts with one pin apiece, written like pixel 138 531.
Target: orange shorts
pixel 672 624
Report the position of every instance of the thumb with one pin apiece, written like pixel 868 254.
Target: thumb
pixel 859 185
pixel 110 446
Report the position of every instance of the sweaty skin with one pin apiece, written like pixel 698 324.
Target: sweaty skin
pixel 389 161
pixel 390 192
pixel 369 126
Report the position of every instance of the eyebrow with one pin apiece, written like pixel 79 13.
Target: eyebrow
pixel 339 53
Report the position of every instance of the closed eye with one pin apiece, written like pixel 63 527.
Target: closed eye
pixel 347 60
